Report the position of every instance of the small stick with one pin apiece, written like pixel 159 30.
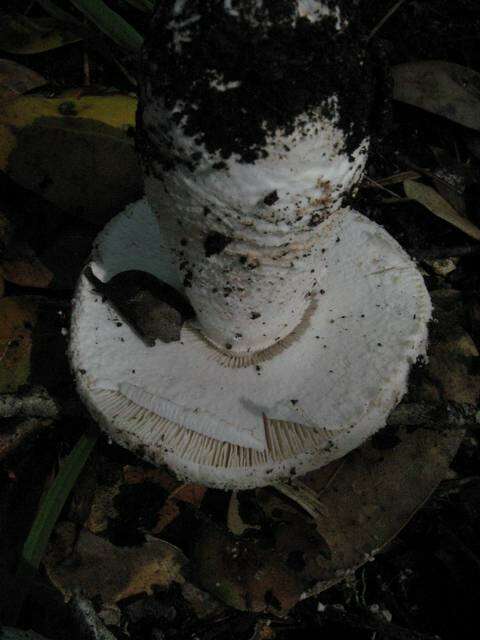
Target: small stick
pixel 386 17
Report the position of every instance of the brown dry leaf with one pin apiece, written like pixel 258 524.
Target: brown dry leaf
pixel 101 570
pixel 454 365
pixel 434 202
pixel 189 493
pixel 443 88
pixel 15 79
pixel 266 571
pixel 22 35
pixel 21 266
pixel 102 508
pixel 91 169
pixel 2 286
pixel 235 522
pixel 362 502
pixel 17 318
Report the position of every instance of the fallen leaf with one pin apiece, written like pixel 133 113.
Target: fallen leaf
pixel 443 88
pixel 357 506
pixel 262 570
pixel 17 318
pixel 434 202
pixel 454 364
pixel 21 266
pixel 22 35
pixel 189 493
pixel 102 508
pixel 91 168
pixel 235 523
pixel 101 570
pixel 15 79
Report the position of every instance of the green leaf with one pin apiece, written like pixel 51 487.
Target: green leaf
pixel 52 505
pixel 56 12
pixel 92 170
pixel 112 25
pixel 22 35
pixel 141 5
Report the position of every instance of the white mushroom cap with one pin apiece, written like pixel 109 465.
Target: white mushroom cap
pixel 330 389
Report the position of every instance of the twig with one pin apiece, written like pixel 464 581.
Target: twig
pixel 378 185
pixel 386 17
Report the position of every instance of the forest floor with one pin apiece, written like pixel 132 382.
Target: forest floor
pixel 425 583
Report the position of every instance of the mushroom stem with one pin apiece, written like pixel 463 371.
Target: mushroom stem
pixel 243 222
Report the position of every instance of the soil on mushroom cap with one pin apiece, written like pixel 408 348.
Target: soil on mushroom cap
pixel 274 74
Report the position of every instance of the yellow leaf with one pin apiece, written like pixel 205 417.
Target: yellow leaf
pixel 16 79
pixel 17 318
pixel 21 266
pixel 22 35
pixel 77 152
pixel 434 202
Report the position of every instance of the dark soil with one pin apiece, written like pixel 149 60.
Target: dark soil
pixel 426 583
pixel 283 73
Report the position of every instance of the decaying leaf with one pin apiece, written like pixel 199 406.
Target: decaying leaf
pixel 17 318
pixel 91 168
pixel 356 505
pixel 454 365
pixel 21 266
pixel 235 522
pixel 22 35
pixel 443 88
pixel 103 507
pixel 15 79
pixel 434 202
pixel 266 571
pixel 189 493
pixel 101 570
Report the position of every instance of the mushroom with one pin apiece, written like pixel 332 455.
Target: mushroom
pixel 253 130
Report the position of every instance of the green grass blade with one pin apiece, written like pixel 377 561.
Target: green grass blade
pixel 52 505
pixel 55 11
pixel 141 5
pixel 112 25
